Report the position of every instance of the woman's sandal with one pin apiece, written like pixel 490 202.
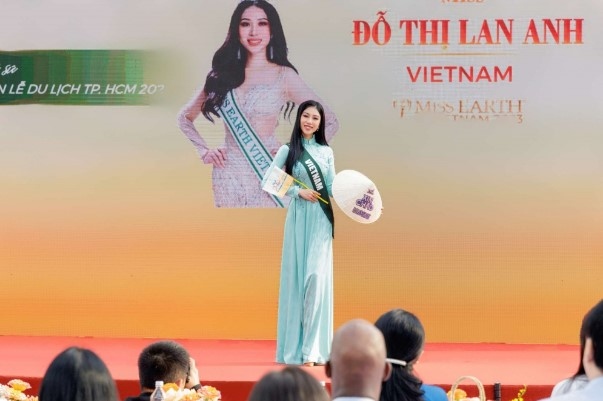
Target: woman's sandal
pixel 310 364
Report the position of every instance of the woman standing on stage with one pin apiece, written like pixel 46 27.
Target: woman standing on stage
pixel 251 84
pixel 305 308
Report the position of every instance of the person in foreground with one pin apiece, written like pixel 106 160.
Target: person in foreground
pixel 358 364
pixel 592 327
pixel 305 308
pixel 404 339
pixel 251 83
pixel 289 384
pixel 77 374
pixel 169 362
pixel 579 380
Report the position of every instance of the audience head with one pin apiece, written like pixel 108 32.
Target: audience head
pixel 580 371
pixel 77 374
pixel 592 332
pixel 167 361
pixel 357 366
pixel 290 384
pixel 404 339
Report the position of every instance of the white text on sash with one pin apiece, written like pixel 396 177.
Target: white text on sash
pixel 245 139
pixel 315 175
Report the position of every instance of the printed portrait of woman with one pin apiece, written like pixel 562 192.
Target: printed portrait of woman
pixel 251 86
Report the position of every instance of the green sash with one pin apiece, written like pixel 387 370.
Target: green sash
pixel 319 184
pixel 250 144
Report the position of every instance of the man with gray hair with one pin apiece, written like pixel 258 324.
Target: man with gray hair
pixel 357 365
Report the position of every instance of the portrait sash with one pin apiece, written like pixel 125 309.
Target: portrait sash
pixel 250 144
pixel 319 185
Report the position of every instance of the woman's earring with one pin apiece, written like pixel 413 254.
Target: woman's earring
pixel 271 52
pixel 239 53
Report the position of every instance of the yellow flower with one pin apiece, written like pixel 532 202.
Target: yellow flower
pixel 459 394
pixel 14 391
pixel 172 386
pixel 205 393
pixel 19 385
pixel 209 393
pixel 191 395
pixel 520 394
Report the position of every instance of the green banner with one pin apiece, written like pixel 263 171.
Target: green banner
pixel 75 77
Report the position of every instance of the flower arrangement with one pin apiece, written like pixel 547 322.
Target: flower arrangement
pixel 520 394
pixel 14 391
pixel 205 393
pixel 461 395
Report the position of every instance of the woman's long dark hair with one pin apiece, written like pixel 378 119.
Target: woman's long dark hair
pixel 290 384
pixel 78 374
pixel 580 371
pixel 404 338
pixel 296 145
pixel 228 70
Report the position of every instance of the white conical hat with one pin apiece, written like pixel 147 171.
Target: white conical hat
pixel 357 196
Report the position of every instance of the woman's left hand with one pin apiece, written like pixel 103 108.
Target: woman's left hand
pixel 217 157
pixel 309 195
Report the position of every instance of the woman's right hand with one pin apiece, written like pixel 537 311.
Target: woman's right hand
pixel 217 157
pixel 309 195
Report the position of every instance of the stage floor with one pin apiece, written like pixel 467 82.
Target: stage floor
pixel 233 366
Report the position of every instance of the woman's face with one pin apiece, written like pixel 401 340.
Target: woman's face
pixel 309 121
pixel 254 30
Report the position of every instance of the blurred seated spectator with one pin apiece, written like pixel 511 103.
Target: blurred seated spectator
pixel 77 374
pixel 168 362
pixel 290 384
pixel 591 334
pixel 357 365
pixel 404 339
